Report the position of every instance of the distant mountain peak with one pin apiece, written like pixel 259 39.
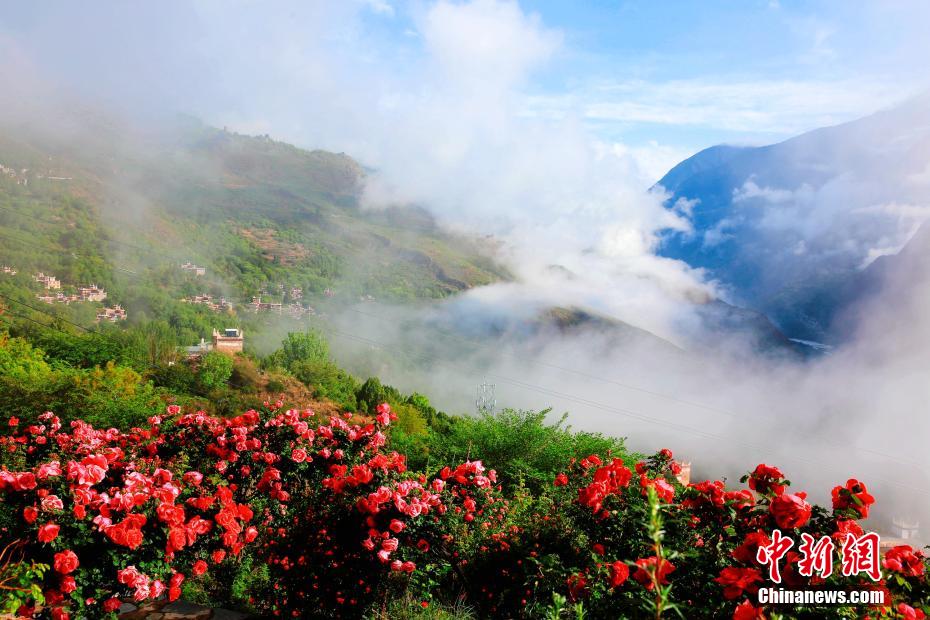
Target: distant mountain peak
pixel 781 225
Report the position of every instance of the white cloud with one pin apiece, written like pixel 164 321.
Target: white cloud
pixel 653 158
pixel 753 106
pixel 750 190
pixel 382 7
pixel 458 142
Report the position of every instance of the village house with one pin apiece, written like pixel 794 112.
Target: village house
pixel 296 310
pixel 191 267
pixel 18 176
pixel 258 305
pixel 114 314
pixel 91 293
pixel 58 298
pixel 49 282
pixel 229 341
pixel 904 530
pixel 207 300
pixel 198 350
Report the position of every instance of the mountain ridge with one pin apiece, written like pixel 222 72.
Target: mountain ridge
pixel 783 226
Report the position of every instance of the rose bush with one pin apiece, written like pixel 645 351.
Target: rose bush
pixel 110 514
pixel 342 528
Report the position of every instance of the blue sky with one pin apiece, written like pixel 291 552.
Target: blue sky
pixel 661 78
pixel 673 71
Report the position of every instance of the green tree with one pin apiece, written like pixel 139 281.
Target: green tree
pixel 309 346
pixel 370 395
pixel 153 343
pixel 215 370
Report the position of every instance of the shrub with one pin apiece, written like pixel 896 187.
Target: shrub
pixel 520 445
pixel 214 370
pixel 309 346
pixel 111 517
pixel 274 385
pixel 301 517
pixel 328 381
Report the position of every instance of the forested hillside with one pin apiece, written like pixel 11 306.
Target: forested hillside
pixel 260 215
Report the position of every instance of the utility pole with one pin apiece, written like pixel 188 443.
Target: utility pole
pixel 485 401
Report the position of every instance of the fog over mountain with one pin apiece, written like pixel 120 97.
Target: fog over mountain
pixel 785 228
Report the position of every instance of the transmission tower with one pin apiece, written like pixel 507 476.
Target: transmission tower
pixel 485 401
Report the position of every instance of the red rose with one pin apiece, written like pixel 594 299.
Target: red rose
pixel 24 481
pixel 853 496
pixel 67 584
pixel 790 511
pixel 66 562
pixel 735 581
pixel 561 480
pixel 177 539
pixel 30 514
pixel 645 566
pixel 59 613
pixel 111 604
pixel 199 568
pixel 847 526
pixel 746 552
pixel 577 586
pixel 766 479
pixel 909 613
pixel 745 611
pixel 619 572
pixel 176 580
pixel 48 533
pixel 218 556
pixel 905 560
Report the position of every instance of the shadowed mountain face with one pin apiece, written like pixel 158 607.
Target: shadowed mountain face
pixel 786 228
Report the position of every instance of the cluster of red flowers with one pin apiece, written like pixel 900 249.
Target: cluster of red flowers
pixel 607 480
pixel 708 515
pixel 82 489
pixel 333 500
pixel 338 520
